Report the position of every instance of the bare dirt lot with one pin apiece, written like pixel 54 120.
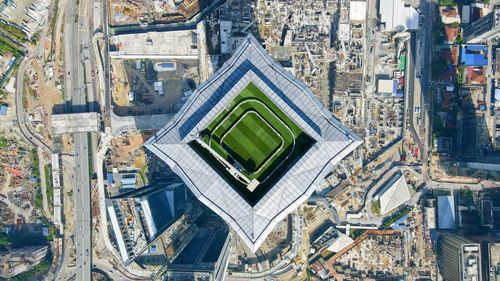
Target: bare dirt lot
pixel 133 86
pixel 127 150
pixel 39 100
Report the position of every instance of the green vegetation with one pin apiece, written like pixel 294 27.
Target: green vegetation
pixel 3 142
pixel 253 133
pixel 8 47
pixel 35 162
pixel 447 2
pixel 50 227
pixel 396 216
pixel 5 239
pixel 48 183
pixel 376 207
pixel 357 233
pixel 14 31
pixel 38 199
pixel 143 172
pixel 52 26
pixel 460 75
pixel 438 67
pixel 438 32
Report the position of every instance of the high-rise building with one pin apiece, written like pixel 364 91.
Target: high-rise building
pixel 20 260
pixel 140 216
pixel 485 28
pixel 460 258
pixel 205 257
pixel 493 269
pixel 253 143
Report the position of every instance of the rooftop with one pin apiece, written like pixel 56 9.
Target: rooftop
pixel 180 44
pixel 394 193
pixel 446 212
pixel 474 55
pixel 475 76
pixel 282 109
pixel 395 14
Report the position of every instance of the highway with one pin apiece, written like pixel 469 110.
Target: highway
pixel 75 37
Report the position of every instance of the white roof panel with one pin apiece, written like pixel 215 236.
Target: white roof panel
pixel 357 11
pixel 396 14
pixel 394 194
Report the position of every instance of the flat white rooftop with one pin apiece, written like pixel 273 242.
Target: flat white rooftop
pixel 396 14
pixel 357 11
pixel 168 44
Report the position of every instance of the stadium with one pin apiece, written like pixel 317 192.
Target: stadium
pixel 252 143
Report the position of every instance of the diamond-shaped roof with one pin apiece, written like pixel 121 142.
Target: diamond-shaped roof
pixel 251 64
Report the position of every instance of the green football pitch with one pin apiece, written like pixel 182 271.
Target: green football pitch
pixel 255 136
pixel 252 131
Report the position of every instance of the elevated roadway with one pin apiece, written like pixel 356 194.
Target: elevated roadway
pixel 76 36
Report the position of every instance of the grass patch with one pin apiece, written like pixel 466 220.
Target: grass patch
pixel 396 216
pixel 3 142
pixel 48 184
pixel 38 199
pixel 376 207
pixel 357 233
pixel 447 2
pixel 143 172
pixel 6 46
pixel 35 162
pixel 5 239
pixel 14 31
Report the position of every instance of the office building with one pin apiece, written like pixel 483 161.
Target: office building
pixel 460 258
pixel 205 257
pixel 140 216
pixel 485 28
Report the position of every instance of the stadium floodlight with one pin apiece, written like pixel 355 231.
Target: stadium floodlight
pixel 253 143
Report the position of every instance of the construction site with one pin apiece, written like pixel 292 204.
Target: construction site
pixel 146 86
pixel 40 98
pixel 130 12
pixel 127 151
pixel 20 194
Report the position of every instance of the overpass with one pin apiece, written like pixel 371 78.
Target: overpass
pixel 83 122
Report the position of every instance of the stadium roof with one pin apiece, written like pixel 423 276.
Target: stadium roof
pixel 394 194
pixel 395 14
pixel 251 64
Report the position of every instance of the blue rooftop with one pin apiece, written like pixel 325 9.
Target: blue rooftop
pixel 474 55
pixel 3 110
